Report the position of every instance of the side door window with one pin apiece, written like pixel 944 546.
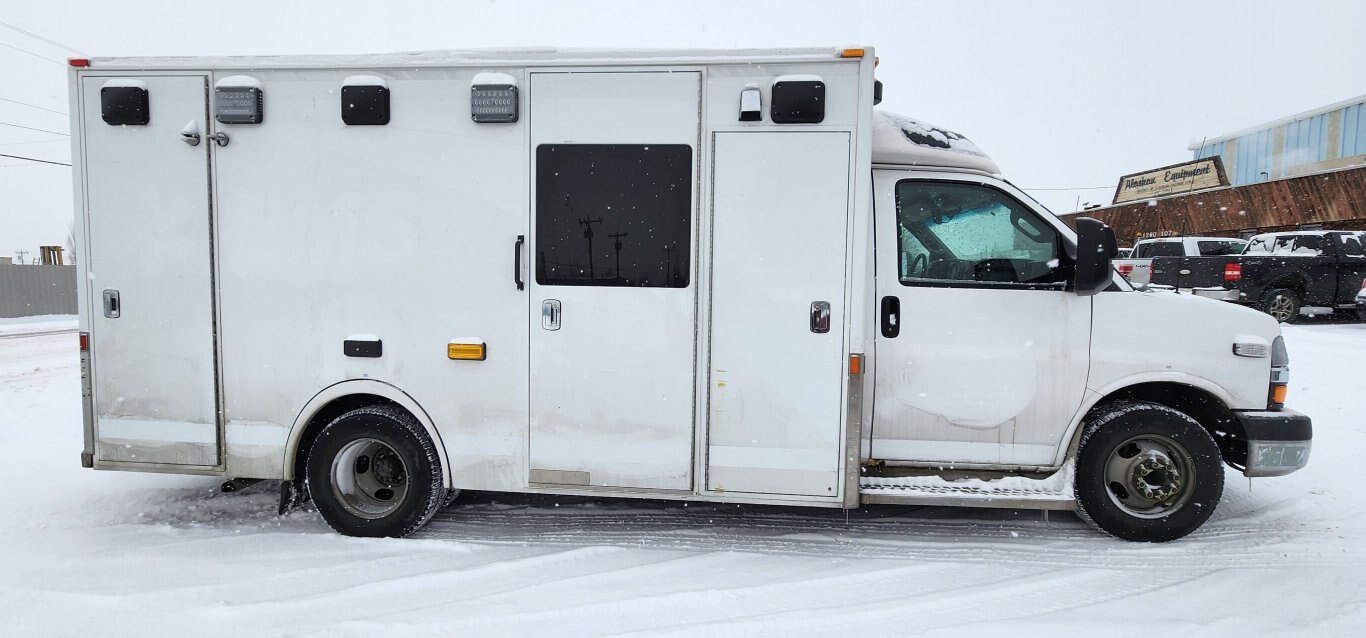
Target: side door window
pixel 962 234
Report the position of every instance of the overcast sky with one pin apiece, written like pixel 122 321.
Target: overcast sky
pixel 1063 95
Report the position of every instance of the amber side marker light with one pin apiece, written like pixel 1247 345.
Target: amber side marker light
pixel 855 365
pixel 1278 394
pixel 467 350
pixel 851 53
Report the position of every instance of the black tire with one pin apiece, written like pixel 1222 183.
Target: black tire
pixel 1134 440
pixel 1283 304
pixel 1361 315
pixel 365 453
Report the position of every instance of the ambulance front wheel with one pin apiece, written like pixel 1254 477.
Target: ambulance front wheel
pixel 374 472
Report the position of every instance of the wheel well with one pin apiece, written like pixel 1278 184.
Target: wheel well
pixel 1292 284
pixel 326 414
pixel 1205 408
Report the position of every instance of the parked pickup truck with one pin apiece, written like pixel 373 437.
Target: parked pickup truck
pixel 1278 273
pixel 1137 267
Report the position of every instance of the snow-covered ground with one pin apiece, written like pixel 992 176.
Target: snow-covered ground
pixel 119 554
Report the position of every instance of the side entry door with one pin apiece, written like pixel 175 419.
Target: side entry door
pixel 150 269
pixel 613 297
pixel 982 354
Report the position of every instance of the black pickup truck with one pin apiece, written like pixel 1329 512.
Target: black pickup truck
pixel 1278 272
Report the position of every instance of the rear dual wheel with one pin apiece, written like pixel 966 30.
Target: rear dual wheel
pixel 374 472
pixel 1147 472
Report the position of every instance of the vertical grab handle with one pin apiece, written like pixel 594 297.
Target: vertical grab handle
pixel 517 262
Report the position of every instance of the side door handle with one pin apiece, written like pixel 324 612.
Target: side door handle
pixel 111 303
pixel 891 316
pixel 820 317
pixel 550 314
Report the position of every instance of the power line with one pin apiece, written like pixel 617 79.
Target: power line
pixel 35 36
pixel 40 57
pixel 33 159
pixel 40 130
pixel 33 106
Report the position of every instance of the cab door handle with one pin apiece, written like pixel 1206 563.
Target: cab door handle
pixel 891 316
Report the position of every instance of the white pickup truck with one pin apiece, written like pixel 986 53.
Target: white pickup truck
pixel 1138 267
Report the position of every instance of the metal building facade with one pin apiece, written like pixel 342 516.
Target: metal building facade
pixel 1324 139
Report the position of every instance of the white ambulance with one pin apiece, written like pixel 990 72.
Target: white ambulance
pixel 700 275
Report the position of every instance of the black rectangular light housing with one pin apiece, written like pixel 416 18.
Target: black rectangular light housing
pixel 238 105
pixel 798 102
pixel 365 105
pixel 125 106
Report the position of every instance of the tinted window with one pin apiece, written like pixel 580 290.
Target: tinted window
pixel 1211 247
pixel 1306 245
pixel 614 215
pixel 970 233
pixel 1159 249
pixel 1351 246
pixel 1261 244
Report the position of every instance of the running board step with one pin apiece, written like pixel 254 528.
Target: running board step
pixel 1053 492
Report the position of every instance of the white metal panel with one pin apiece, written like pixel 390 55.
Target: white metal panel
pixel 404 232
pixel 780 213
pixel 980 376
pixel 147 198
pixel 611 394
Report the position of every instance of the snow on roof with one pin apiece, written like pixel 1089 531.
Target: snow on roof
pixel 474 57
pixel 901 140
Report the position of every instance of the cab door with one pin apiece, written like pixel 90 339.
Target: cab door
pixel 982 354
pixel 150 269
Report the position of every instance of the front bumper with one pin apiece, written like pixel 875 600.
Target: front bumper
pixel 1277 442
pixel 1221 294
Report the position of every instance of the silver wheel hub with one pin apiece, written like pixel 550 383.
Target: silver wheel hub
pixel 369 478
pixel 1149 476
pixel 1157 478
pixel 1281 307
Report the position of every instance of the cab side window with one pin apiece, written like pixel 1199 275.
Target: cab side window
pixel 964 234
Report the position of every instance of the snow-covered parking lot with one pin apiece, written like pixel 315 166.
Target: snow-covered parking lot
pixel 85 553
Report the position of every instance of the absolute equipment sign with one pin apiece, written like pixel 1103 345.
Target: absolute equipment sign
pixel 1172 180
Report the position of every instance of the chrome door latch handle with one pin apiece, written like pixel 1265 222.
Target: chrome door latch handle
pixel 111 303
pixel 820 317
pixel 550 314
pixel 220 138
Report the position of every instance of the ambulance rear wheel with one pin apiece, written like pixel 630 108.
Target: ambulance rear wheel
pixel 374 472
pixel 1147 472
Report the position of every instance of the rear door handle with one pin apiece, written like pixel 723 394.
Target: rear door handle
pixel 517 262
pixel 891 316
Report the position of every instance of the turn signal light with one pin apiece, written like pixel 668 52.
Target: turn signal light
pixel 1278 394
pixel 1233 272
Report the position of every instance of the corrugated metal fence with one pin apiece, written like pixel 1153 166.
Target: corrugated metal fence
pixel 26 291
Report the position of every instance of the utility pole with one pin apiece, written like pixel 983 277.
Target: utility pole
pixel 587 224
pixel 617 245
